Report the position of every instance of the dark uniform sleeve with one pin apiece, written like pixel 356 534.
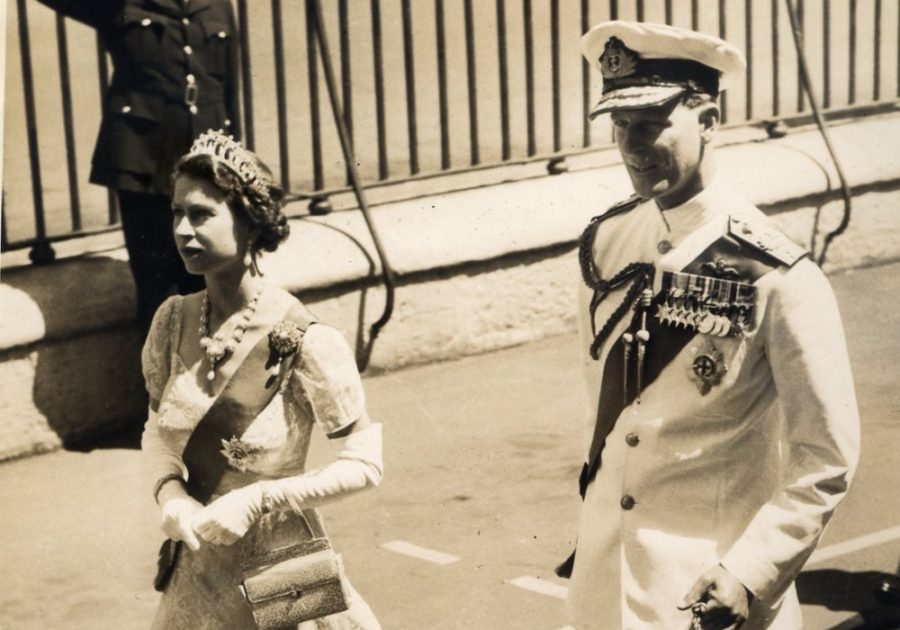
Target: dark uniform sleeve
pixel 94 13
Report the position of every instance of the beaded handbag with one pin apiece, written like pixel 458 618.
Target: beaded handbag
pixel 304 581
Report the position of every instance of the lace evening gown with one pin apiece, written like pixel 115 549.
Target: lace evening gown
pixel 324 388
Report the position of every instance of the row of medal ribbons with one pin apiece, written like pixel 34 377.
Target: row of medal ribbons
pixel 711 306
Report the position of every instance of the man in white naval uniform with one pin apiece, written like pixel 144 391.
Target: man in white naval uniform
pixel 726 429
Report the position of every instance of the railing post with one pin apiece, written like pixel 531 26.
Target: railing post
pixel 68 127
pixel 315 118
pixel 42 252
pixel 502 66
pixel 281 98
pixel 246 75
pixel 472 82
pixel 529 75
pixel 409 71
pixel 443 107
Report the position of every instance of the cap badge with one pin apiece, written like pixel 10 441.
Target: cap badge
pixel 617 59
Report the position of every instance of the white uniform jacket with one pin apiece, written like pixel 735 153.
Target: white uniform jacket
pixel 739 462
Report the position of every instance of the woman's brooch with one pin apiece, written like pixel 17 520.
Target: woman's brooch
pixel 284 341
pixel 238 453
pixel 285 338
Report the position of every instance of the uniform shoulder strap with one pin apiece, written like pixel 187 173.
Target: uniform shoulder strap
pixel 765 238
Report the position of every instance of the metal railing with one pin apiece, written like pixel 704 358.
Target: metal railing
pixel 428 87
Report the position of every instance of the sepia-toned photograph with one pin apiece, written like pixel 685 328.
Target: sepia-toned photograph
pixel 450 314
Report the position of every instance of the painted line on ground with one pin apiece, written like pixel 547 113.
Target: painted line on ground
pixel 854 544
pixel 537 585
pixel 422 553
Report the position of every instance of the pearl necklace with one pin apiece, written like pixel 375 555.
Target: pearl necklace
pixel 216 348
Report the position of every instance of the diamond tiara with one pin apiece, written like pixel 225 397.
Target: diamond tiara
pixel 228 150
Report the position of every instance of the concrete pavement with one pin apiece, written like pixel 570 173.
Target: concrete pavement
pixel 482 461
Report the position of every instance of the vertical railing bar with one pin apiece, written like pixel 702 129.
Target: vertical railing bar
pixel 554 73
pixel 748 37
pixel 504 80
pixel 876 62
pixel 68 126
pixel 315 116
pixel 529 76
pixel 379 90
pixel 31 122
pixel 4 239
pixel 246 75
pixel 585 81
pixel 410 77
pixel 668 10
pixel 776 88
pixel 103 80
pixel 826 53
pixel 472 83
pixel 444 110
pixel 801 98
pixel 613 9
pixel 695 15
pixel 346 83
pixel 280 95
pixel 722 35
pixel 640 10
pixel 851 95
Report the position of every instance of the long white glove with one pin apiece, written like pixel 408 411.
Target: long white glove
pixel 159 460
pixel 178 511
pixel 358 466
pixel 176 505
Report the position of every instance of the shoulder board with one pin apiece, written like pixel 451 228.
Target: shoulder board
pixel 766 238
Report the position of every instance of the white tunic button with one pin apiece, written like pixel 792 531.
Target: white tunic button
pixel 126 109
pixel 193 109
pixel 185 21
pixel 227 122
pixel 146 22
pixel 223 34
pixel 191 79
pixel 188 50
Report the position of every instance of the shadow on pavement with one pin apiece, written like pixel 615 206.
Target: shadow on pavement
pixel 84 376
pixel 849 591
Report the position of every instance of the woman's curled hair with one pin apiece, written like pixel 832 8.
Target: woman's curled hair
pixel 259 205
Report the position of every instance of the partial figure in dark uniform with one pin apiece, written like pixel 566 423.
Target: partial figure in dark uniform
pixel 175 76
pixel 723 429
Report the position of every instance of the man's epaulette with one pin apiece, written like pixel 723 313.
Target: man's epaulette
pixel 586 243
pixel 765 238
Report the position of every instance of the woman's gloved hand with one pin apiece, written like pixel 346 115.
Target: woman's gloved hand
pixel 178 510
pixel 228 518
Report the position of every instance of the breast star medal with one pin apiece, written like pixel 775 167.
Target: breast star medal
pixel 707 368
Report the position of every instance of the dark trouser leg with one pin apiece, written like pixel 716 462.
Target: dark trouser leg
pixel 155 264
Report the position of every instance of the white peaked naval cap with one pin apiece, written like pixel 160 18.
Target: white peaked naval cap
pixel 645 64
